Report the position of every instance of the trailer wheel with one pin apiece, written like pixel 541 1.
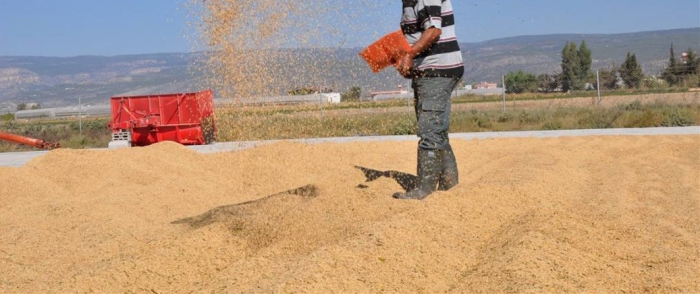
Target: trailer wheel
pixel 208 130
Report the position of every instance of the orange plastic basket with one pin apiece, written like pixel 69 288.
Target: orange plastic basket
pixel 386 51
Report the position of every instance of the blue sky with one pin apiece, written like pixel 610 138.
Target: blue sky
pixel 110 27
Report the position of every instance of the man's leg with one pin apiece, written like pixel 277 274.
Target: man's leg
pixel 433 103
pixel 449 177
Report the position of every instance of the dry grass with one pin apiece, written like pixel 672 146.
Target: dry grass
pixel 395 118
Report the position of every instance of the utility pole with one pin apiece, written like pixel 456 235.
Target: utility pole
pixel 80 117
pixel 597 76
pixel 503 82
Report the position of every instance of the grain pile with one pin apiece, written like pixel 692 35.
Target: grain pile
pixel 591 214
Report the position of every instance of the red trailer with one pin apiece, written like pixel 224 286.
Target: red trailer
pixel 186 118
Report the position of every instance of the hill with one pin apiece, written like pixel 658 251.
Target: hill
pixel 54 81
pixel 541 54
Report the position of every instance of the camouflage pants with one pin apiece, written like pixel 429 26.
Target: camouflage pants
pixel 433 103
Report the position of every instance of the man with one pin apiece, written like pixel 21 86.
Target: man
pixel 435 65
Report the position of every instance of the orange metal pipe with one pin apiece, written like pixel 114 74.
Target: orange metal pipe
pixel 28 141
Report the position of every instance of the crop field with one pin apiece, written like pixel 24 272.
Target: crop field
pixel 469 114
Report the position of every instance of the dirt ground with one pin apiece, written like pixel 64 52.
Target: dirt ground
pixel 572 214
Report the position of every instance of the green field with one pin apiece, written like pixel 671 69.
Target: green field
pixel 381 118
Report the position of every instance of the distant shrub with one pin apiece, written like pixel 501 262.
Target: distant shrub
pixel 406 126
pixel 634 105
pixel 642 119
pixel 353 94
pixel 503 118
pixel 90 125
pixel 552 125
pixel 599 119
pixel 529 117
pixel 678 119
pixel 483 121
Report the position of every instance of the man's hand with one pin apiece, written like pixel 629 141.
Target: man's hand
pixel 429 36
pixel 405 65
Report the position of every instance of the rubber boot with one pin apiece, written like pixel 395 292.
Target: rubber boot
pixel 429 167
pixel 449 176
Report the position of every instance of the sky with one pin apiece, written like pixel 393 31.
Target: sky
pixel 121 27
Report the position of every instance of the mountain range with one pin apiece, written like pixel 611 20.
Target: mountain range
pixel 62 81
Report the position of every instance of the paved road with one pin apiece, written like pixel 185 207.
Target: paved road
pixel 17 159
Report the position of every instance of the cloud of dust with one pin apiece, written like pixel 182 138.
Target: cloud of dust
pixel 251 50
pixel 251 47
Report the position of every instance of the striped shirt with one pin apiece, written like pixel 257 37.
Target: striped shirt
pixel 442 58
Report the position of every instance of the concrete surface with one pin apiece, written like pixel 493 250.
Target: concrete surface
pixel 16 159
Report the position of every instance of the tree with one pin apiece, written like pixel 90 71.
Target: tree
pixel 519 82
pixel 631 71
pixel 678 73
pixel 692 62
pixel 575 66
pixel 570 67
pixel 608 78
pixel 21 106
pixel 585 61
pixel 36 106
pixel 353 94
pixel 672 71
pixel 302 91
pixel 547 82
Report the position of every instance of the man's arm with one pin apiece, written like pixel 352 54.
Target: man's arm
pixel 428 37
